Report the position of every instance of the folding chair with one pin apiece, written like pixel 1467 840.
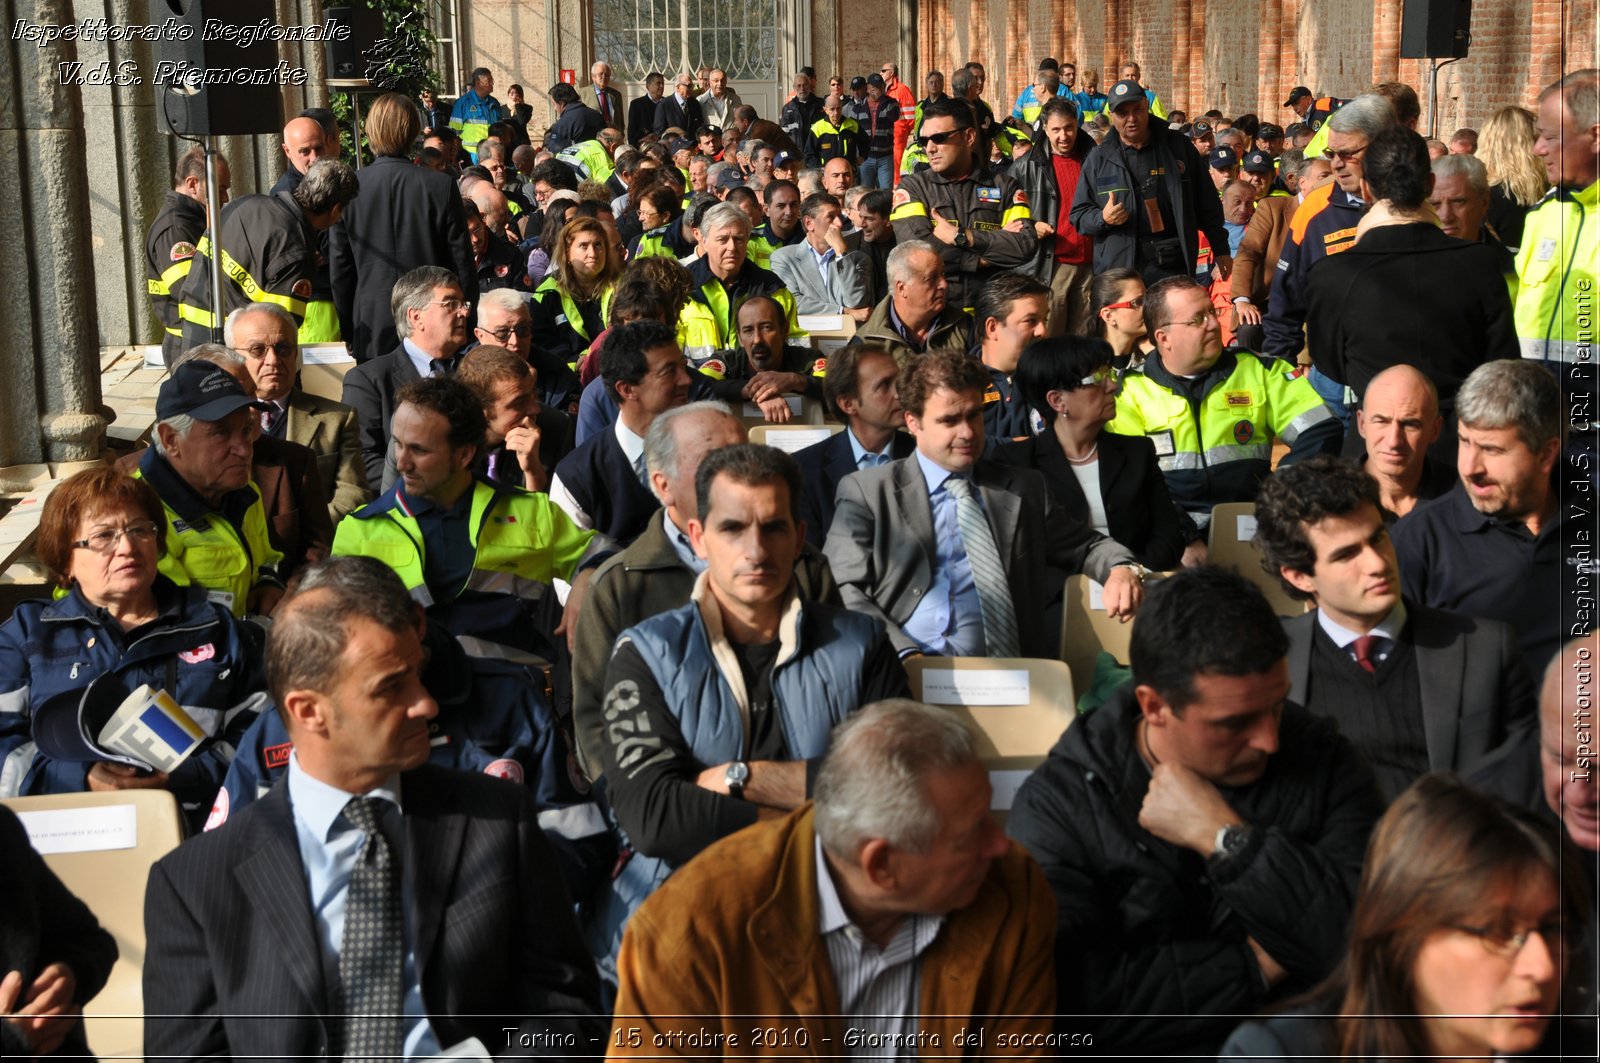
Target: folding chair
pixel 1086 629
pixel 111 882
pixel 1232 545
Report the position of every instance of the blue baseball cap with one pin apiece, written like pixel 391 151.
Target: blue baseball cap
pixel 1258 162
pixel 1222 158
pixel 204 391
pixel 1123 92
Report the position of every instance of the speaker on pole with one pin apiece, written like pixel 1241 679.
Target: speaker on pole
pixel 345 59
pixel 235 106
pixel 1435 29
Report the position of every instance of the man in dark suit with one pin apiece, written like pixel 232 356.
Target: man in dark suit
pixel 860 389
pixel 431 314
pixel 642 111
pixel 953 552
pixel 1416 689
pixel 370 905
pixel 574 122
pixel 681 110
pixel 404 217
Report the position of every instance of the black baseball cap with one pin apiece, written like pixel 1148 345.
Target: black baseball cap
pixel 1257 162
pixel 1199 129
pixel 859 82
pixel 204 391
pixel 875 79
pixel 1123 92
pixel 1222 158
pixel 1269 131
pixel 1048 63
pixel 1296 94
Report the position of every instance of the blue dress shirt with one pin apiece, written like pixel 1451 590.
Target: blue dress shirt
pixel 949 619
pixel 867 459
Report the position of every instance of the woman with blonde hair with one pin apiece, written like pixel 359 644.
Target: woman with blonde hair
pixel 1458 942
pixel 571 307
pixel 1516 175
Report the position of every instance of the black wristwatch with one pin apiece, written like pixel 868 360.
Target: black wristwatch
pixel 1231 841
pixel 962 240
pixel 737 775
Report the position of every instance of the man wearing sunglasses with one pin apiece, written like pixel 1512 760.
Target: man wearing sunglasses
pixel 977 219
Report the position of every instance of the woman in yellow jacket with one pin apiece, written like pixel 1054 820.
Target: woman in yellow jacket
pixel 571 307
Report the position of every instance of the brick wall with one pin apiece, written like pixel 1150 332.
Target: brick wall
pixel 1244 55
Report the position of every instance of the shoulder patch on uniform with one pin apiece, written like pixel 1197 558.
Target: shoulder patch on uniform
pixel 819 367
pixel 1020 198
pixel 505 768
pixel 275 757
pixel 713 367
pixel 988 194
pixel 901 197
pixel 302 288
pixel 181 250
pixel 198 654
pixel 219 811
pixel 1243 432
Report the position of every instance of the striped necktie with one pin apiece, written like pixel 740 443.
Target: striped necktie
pixel 988 574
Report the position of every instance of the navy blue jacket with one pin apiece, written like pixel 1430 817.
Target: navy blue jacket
pixel 603 482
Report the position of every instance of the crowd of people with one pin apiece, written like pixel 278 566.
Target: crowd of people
pixel 534 704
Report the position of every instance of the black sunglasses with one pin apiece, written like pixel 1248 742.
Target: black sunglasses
pixel 939 138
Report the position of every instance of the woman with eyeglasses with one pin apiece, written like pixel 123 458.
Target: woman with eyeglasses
pixel 1109 481
pixel 1459 940
pixel 101 533
pixel 1117 316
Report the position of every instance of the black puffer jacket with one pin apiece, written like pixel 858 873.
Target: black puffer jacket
pixel 1151 937
pixel 1036 173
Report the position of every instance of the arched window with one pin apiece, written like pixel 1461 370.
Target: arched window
pixel 638 36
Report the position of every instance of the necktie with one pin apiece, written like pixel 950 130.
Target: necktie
pixel 994 593
pixel 440 366
pixel 372 956
pixel 1363 648
pixel 272 421
pixel 642 471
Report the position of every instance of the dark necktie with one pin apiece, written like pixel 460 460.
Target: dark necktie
pixel 272 421
pixel 372 956
pixel 441 366
pixel 605 105
pixel 1363 648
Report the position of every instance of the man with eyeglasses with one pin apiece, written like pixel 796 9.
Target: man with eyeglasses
pixel 978 220
pixel 264 336
pixel 681 110
pixel 1214 415
pixel 431 316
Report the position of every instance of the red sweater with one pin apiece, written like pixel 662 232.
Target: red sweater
pixel 1071 245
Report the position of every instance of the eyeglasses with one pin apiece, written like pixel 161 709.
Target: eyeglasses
pixel 1106 374
pixel 939 138
pixel 1503 939
pixel 1330 154
pixel 1199 320
pixel 1129 304
pixel 257 351
pixel 521 332
pixel 453 306
pixel 104 540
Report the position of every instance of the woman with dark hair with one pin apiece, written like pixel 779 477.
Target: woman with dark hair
pixel 571 307
pixel 1111 482
pixel 1458 943
pixel 101 532
pixel 1116 315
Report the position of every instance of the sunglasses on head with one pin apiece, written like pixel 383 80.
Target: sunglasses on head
pixel 939 138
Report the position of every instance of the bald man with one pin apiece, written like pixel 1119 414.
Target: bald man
pixel 1399 419
pixel 1566 740
pixel 304 143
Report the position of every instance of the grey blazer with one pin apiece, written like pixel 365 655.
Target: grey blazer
pixel 329 428
pixel 849 279
pixel 1475 689
pixel 881 545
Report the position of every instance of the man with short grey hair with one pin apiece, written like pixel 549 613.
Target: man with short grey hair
pixel 431 315
pixel 915 317
pixel 1495 546
pixel 892 907
pixel 718 102
pixel 1460 198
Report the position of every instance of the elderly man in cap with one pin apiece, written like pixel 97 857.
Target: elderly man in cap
pixel 1134 200
pixel 200 466
pixel 1258 171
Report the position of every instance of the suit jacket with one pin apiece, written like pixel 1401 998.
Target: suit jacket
pixel 641 118
pixel 1257 259
pixel 369 389
pixel 405 216
pixel 618 115
pixel 1476 692
pixel 822 466
pixel 43 923
pixel 849 281
pixel 881 545
pixel 687 117
pixel 234 964
pixel 1140 512
pixel 329 428
pixel 734 934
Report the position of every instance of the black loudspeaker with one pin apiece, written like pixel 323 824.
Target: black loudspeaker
pixel 345 59
pixel 1435 29
pixel 225 47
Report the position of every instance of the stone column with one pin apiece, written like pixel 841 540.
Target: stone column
pixel 50 367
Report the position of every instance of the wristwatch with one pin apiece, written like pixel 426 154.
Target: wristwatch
pixel 1231 840
pixel 1140 572
pixel 737 775
pixel 962 240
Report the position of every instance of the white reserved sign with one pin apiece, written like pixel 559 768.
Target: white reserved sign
pixel 1001 686
pixel 1005 785
pixel 1247 527
pixel 797 439
pixel 82 830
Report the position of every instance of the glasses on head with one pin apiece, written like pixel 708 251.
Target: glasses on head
pixel 1127 304
pixel 1504 939
pixel 104 540
pixel 501 335
pixel 257 351
pixel 1199 320
pixel 939 138
pixel 1330 154
pixel 453 306
pixel 1106 374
